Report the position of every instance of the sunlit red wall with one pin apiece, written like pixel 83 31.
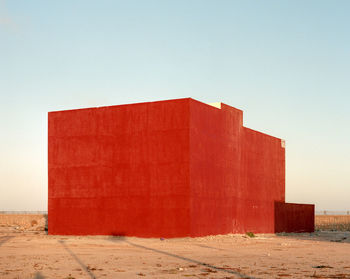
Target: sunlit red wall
pixel 236 175
pixel 164 169
pixel 120 170
pixel 215 160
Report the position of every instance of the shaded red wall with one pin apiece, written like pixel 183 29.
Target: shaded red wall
pixel 292 217
pixel 262 181
pixel 165 169
pixel 236 173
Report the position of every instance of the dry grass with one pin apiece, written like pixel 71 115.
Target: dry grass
pixel 332 222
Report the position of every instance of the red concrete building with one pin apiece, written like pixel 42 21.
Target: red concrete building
pixel 166 169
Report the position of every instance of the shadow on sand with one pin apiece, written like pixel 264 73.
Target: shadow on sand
pixel 211 247
pixel 3 239
pixel 330 236
pixel 38 275
pixel 46 223
pixel 206 265
pixel 83 266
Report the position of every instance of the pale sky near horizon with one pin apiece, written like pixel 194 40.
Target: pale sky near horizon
pixel 286 64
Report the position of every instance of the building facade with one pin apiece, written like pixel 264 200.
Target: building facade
pixel 166 169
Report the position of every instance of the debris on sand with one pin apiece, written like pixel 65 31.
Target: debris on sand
pixel 322 266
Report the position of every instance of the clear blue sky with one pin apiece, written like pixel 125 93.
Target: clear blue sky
pixel 285 63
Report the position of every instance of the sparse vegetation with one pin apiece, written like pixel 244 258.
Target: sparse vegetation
pixel 250 234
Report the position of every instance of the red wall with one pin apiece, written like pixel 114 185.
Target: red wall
pixel 215 146
pixel 263 181
pixel 236 173
pixel 120 170
pixel 163 169
pixel 292 217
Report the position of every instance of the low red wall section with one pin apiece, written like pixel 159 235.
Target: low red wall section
pixel 292 217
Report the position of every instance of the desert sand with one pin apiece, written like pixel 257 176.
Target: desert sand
pixel 34 254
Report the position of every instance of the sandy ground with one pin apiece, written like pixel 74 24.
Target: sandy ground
pixel 25 254
pixel 24 222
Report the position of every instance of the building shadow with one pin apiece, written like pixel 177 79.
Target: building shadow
pixel 38 275
pixel 3 239
pixel 211 247
pixel 192 261
pixel 75 257
pixel 117 236
pixel 46 223
pixel 330 236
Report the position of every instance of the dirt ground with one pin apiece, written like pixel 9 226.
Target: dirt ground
pixel 34 254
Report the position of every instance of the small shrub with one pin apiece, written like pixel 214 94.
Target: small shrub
pixel 250 234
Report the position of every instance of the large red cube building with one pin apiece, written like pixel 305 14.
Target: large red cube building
pixel 166 169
